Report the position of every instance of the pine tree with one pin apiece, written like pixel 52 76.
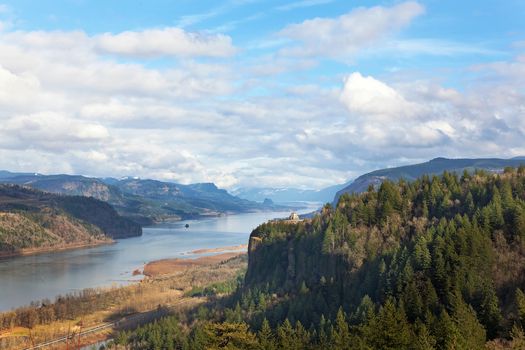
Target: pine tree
pixel 229 336
pixel 389 329
pixel 365 311
pixel 285 336
pixel 490 314
pixel 341 333
pixel 471 333
pixel 446 332
pixel 266 337
pixel 422 256
pixel 423 340
pixel 301 335
pixel 496 210
pixel 469 203
pixel 328 240
pixel 322 335
pixel 520 305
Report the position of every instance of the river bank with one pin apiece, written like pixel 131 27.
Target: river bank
pixel 47 275
pixel 220 249
pixel 170 266
pixel 108 310
pixel 65 247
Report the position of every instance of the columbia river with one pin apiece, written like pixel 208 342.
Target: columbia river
pixel 27 278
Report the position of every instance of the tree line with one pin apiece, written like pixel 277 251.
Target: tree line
pixel 437 263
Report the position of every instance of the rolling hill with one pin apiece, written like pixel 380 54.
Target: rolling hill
pixel 432 167
pixel 32 221
pixel 142 200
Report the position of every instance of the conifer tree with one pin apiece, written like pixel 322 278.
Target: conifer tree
pixel 389 329
pixel 285 336
pixel 341 333
pixel 266 337
pixel 423 339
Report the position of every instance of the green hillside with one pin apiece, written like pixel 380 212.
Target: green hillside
pixel 31 220
pixel 436 263
pixel 142 200
pixel 443 256
pixel 433 167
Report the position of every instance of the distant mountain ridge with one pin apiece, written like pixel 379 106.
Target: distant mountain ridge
pixel 145 201
pixel 433 167
pixel 287 195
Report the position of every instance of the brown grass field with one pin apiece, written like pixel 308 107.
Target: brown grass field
pixel 170 266
pixel 164 287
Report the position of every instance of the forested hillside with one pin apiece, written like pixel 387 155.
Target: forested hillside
pixel 31 220
pixel 437 263
pixel 142 200
pixel 443 256
pixel 435 166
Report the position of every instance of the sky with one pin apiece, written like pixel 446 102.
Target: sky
pixel 253 93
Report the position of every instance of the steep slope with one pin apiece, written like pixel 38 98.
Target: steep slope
pixel 439 258
pixel 432 167
pixel 202 198
pixel 87 209
pixel 32 221
pixel 144 201
pixel 100 214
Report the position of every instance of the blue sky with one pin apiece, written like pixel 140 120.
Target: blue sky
pixel 303 93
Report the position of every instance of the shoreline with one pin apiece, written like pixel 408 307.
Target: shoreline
pixel 42 250
pixel 233 248
pixel 213 215
pixel 152 269
pixel 169 266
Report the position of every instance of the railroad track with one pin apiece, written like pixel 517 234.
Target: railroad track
pixel 129 318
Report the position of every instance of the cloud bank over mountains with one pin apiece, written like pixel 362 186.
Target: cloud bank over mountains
pixel 194 106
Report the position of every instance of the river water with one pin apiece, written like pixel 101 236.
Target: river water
pixel 27 278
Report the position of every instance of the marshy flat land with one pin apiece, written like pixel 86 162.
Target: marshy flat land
pixel 164 292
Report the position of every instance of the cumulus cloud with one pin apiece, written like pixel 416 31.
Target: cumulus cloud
pixel 90 104
pixel 484 120
pixel 50 131
pixel 343 36
pixel 373 98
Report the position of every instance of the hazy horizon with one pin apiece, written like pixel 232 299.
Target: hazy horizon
pixel 243 93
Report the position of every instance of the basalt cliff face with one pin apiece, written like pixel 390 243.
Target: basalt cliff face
pixel 445 252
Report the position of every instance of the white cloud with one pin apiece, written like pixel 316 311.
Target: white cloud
pixel 78 103
pixel 165 42
pixel 343 36
pixel 373 98
pixel 170 42
pixel 485 120
pixel 51 132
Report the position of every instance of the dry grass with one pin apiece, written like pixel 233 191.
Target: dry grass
pixel 171 266
pixel 165 290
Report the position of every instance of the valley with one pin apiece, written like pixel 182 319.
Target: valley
pixel 409 257
pixel 144 201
